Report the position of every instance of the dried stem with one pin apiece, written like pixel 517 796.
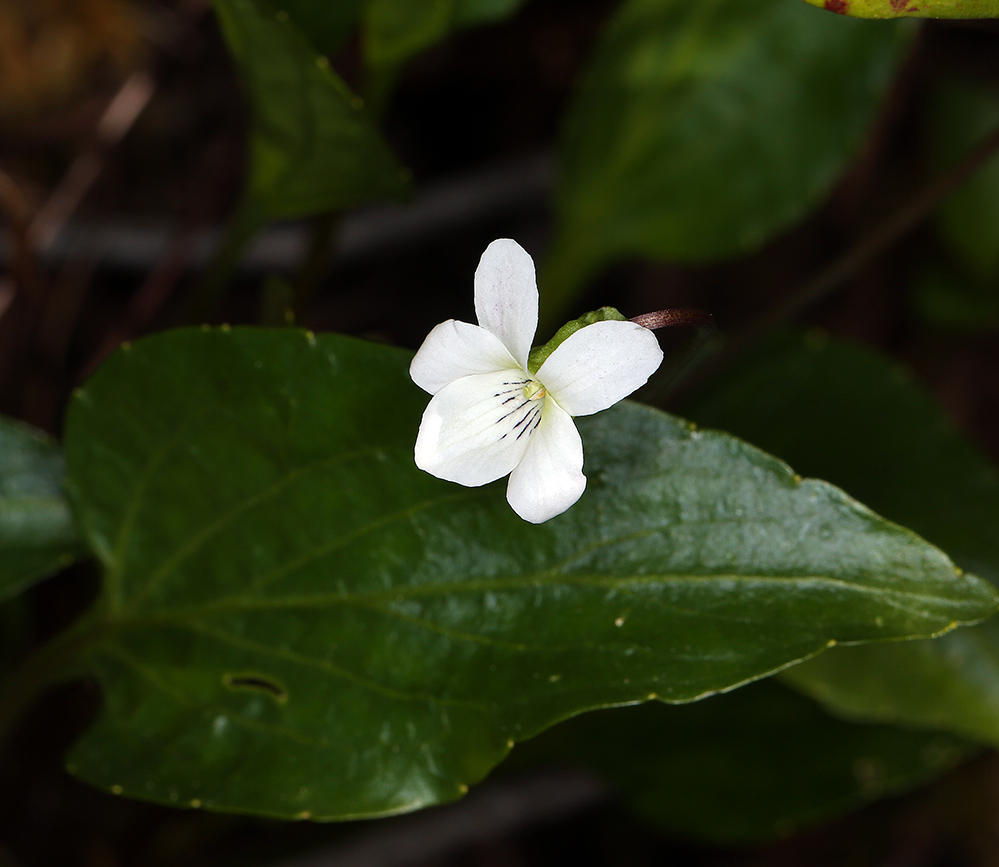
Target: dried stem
pixel 118 118
pixel 675 316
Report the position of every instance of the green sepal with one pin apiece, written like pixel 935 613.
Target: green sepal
pixel 539 355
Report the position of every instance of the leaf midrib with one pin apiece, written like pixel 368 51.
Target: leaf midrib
pixel 624 584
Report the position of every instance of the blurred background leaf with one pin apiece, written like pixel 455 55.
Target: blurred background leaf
pixel 37 533
pixel 947 297
pixel 327 23
pixel 855 417
pixel 730 769
pixel 961 114
pixel 962 289
pixel 700 130
pixel 396 30
pixel 296 620
pixel 313 147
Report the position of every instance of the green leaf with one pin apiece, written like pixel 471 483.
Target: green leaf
pixel 37 534
pixel 469 12
pixel 328 23
pixel 702 129
pixel 395 30
pixel 745 766
pixel 963 114
pixel 947 297
pixel 962 290
pixel 911 8
pixel 314 149
pixel 856 418
pixel 297 620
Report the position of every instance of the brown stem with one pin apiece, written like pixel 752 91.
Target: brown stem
pixel 118 118
pixel 675 316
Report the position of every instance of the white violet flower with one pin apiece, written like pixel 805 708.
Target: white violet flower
pixel 490 416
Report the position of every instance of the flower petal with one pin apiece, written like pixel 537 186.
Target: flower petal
pixel 506 296
pixel 599 365
pixel 550 477
pixel 476 429
pixel 455 349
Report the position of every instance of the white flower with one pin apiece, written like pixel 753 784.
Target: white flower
pixel 490 416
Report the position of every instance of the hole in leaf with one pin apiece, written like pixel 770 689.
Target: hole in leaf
pixel 256 682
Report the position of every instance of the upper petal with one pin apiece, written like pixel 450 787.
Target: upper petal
pixel 599 365
pixel 506 296
pixel 550 477
pixel 455 349
pixel 476 429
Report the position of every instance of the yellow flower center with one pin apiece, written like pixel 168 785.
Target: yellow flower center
pixel 534 390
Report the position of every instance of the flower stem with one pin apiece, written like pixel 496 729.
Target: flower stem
pixel 213 285
pixel 704 322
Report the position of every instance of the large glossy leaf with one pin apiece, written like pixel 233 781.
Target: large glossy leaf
pixel 857 419
pixel 702 129
pixel 37 534
pixel 297 620
pixel 745 766
pixel 313 147
pixel 911 8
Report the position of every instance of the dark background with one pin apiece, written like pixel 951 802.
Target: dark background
pixel 131 215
